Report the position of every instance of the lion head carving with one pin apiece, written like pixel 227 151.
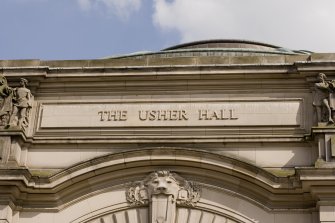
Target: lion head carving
pixel 164 182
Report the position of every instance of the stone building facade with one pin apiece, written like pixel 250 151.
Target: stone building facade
pixel 218 131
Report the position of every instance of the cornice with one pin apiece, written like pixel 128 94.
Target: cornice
pixel 13 132
pixel 48 78
pixel 211 137
pixel 291 63
pixel 128 71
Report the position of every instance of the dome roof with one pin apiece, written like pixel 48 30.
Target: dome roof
pixel 220 47
pixel 234 45
pixel 223 43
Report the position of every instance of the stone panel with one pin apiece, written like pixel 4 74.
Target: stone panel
pixel 241 113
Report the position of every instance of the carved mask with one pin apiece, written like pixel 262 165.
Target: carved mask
pixel 163 182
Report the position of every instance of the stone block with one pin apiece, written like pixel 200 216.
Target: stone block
pixel 4 149
pixel 156 61
pixel 6 214
pixel 125 62
pixel 322 56
pixel 295 58
pixel 327 214
pixel 213 60
pixel 65 63
pixel 22 63
pixel 273 60
pixel 246 60
pixel 332 145
pixel 293 218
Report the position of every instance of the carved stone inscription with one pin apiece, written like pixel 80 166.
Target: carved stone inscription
pixel 162 115
pixel 172 114
pixel 113 115
pixel 168 115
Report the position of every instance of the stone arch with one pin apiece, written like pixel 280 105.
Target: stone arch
pixel 184 215
pixel 232 190
pixel 252 183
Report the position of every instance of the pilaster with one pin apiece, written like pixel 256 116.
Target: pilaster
pixel 12 148
pixel 325 137
pixel 327 211
pixel 5 143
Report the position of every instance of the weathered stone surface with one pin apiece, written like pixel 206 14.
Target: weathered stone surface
pixel 240 123
pixel 5 144
pixel 323 57
pixel 6 214
pixel 239 113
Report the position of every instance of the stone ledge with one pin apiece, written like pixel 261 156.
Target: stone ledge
pixel 177 60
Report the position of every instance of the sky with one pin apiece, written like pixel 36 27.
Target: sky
pixel 91 29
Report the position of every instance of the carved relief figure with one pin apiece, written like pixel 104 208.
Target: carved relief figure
pixel 22 101
pixel 6 104
pixel 163 190
pixel 323 89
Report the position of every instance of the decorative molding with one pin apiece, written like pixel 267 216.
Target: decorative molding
pixel 260 186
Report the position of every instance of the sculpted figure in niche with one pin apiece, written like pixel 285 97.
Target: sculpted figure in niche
pixel 6 104
pixel 322 103
pixel 22 103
